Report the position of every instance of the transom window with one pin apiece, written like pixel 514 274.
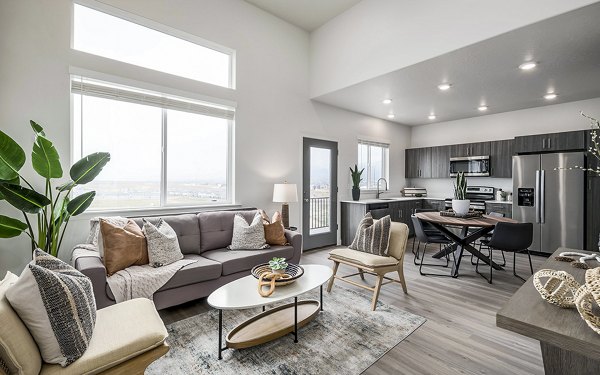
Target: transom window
pixel 150 45
pixel 374 158
pixel 165 150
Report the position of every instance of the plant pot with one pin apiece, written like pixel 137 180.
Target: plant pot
pixel 461 206
pixel 355 193
pixel 281 272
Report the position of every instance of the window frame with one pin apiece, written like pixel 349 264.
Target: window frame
pixel 145 22
pixel 77 143
pixel 385 167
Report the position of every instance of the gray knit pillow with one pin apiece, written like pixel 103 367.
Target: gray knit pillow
pixel 163 245
pixel 56 303
pixel 248 237
pixel 373 236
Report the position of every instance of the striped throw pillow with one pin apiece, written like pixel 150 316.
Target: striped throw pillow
pixel 372 236
pixel 56 303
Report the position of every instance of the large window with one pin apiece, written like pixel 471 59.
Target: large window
pixel 165 150
pixel 374 158
pixel 155 47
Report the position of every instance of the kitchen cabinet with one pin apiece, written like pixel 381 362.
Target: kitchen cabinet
pixel 401 211
pixel 554 142
pixel 501 153
pixel 434 204
pixel 592 161
pixel 440 162
pixel 470 149
pixel 418 162
pixel 502 208
pixel 592 229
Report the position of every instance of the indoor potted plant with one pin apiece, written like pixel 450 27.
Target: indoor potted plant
pixel 356 179
pixel 460 203
pixel 278 265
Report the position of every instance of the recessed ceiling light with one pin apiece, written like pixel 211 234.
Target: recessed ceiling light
pixel 387 101
pixel 391 115
pixel 431 117
pixel 528 65
pixel 444 86
pixel 550 96
pixel 482 108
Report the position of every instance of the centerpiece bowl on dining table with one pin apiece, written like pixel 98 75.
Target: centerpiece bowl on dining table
pixel 294 271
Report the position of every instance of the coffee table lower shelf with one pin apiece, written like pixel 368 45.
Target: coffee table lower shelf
pixel 272 324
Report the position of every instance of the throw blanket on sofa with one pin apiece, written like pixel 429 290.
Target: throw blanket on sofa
pixel 136 281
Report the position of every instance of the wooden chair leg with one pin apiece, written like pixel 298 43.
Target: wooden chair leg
pixel 376 292
pixel 401 278
pixel 335 268
pixel 362 274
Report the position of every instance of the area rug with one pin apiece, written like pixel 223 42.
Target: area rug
pixel 346 338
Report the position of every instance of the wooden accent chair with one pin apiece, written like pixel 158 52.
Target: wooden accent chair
pixel 374 264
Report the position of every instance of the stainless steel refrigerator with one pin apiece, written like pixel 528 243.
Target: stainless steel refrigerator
pixel 551 199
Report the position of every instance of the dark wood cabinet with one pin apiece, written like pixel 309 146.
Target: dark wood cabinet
pixel 501 153
pixel 592 229
pixel 554 142
pixel 418 162
pixel 440 162
pixel 502 208
pixel 434 204
pixel 470 149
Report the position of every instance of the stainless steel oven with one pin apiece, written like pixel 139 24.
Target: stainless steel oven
pixel 474 166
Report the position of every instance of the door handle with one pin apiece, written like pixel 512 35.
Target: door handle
pixel 537 196
pixel 306 200
pixel 543 197
pixel 549 142
pixel 543 143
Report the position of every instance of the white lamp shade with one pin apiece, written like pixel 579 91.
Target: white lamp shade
pixel 285 193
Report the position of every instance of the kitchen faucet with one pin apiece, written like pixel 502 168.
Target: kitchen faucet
pixel 386 187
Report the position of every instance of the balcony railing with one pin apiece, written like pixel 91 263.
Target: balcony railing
pixel 319 212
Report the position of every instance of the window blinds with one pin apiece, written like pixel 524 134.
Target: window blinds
pixel 371 143
pixel 83 86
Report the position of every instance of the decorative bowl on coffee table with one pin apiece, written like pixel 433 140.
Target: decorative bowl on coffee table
pixel 294 271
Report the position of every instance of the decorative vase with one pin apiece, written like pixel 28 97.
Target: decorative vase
pixel 461 206
pixel 355 193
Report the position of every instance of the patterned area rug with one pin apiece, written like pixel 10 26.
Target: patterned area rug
pixel 346 338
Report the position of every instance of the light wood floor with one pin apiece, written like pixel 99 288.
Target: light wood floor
pixel 460 335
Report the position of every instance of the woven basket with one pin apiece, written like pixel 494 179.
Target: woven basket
pixel 293 272
pixel 586 296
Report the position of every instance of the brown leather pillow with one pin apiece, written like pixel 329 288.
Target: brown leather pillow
pixel 265 217
pixel 275 233
pixel 123 247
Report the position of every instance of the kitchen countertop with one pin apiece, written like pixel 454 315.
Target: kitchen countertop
pixel 501 202
pixel 390 199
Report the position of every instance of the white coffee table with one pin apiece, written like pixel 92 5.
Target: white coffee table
pixel 274 323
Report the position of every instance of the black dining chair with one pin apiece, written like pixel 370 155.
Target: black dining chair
pixel 425 239
pixel 429 230
pixel 486 239
pixel 510 237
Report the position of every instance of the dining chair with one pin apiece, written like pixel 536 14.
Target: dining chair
pixel 510 237
pixel 429 230
pixel 429 238
pixel 486 239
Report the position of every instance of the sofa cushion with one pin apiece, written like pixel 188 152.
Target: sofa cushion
pixel 216 228
pixel 202 270
pixel 240 260
pixel 163 244
pixel 123 246
pixel 369 260
pixel 186 228
pixel 122 332
pixel 17 348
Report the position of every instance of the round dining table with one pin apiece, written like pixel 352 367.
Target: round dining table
pixel 480 226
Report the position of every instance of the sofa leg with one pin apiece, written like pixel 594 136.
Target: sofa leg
pixel 335 268
pixel 376 292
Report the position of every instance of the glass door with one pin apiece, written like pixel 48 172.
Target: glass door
pixel 319 193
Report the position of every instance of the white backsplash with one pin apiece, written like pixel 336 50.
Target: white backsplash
pixel 443 188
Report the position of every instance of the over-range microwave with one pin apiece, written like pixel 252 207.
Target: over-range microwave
pixel 474 166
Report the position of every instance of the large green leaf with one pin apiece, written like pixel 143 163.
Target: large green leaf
pixel 10 227
pixel 12 157
pixel 80 203
pixel 86 169
pixel 37 128
pixel 45 158
pixel 14 181
pixel 24 199
pixel 60 211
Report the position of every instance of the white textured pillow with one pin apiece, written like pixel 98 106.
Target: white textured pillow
pixel 248 237
pixel 56 303
pixel 163 245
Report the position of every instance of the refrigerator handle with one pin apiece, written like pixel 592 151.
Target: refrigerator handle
pixel 537 196
pixel 543 197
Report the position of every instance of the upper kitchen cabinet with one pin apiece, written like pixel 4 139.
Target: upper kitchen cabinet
pixel 567 141
pixel 470 149
pixel 418 162
pixel 501 153
pixel 440 162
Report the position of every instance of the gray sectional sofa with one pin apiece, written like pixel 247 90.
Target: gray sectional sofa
pixel 203 237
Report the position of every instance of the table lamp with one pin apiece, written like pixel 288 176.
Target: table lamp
pixel 284 194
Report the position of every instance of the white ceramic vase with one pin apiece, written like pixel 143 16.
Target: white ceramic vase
pixel 461 206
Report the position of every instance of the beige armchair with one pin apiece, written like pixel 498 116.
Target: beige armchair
pixel 128 337
pixel 374 264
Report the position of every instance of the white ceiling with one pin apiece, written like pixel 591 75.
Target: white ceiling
pixel 567 48
pixel 307 14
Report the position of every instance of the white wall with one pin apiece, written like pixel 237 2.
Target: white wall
pixel 376 37
pixel 548 119
pixel 274 111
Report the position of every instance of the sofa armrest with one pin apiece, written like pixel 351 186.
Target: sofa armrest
pixel 92 267
pixel 295 239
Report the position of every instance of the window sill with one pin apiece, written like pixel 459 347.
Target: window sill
pixel 158 211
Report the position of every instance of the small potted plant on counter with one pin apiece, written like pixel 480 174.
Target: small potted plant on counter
pixel 356 179
pixel 278 265
pixel 460 203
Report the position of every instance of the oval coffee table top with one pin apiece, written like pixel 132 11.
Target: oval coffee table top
pixel 243 293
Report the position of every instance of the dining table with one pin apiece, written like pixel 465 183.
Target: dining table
pixel 471 229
